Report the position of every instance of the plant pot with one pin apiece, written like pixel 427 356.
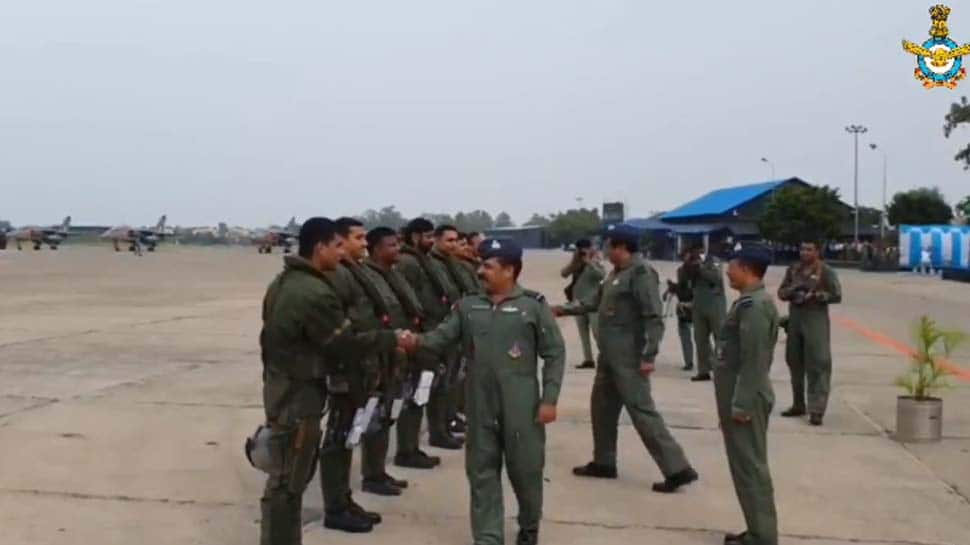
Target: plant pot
pixel 919 420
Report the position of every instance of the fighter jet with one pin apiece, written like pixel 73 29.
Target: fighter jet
pixel 136 238
pixel 284 238
pixel 39 236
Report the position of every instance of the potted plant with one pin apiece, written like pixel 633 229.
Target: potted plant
pixel 919 415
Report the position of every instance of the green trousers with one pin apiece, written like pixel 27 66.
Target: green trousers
pixel 586 324
pixel 747 454
pixel 440 406
pixel 373 459
pixel 335 458
pixel 619 385
pixel 808 354
pixel 707 321
pixel 409 428
pixel 281 506
pixel 685 332
pixel 502 427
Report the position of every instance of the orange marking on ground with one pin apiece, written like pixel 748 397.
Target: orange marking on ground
pixel 896 345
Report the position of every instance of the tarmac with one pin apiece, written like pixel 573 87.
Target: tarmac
pixel 129 385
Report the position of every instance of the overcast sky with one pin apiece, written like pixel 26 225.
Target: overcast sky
pixel 251 112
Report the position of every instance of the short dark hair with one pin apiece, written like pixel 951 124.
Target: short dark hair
pixel 417 225
pixel 757 267
pixel 377 235
pixel 345 224
pixel 314 231
pixel 631 246
pixel 470 235
pixel 442 229
pixel 583 244
pixel 516 264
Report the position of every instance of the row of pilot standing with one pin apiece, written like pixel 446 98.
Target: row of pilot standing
pixel 506 405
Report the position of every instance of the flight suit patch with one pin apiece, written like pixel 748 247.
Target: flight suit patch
pixel 515 352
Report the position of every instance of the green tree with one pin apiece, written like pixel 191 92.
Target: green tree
pixel 920 206
pixel 962 208
pixel 439 218
pixel 538 220
pixel 574 224
pixel 476 220
pixel 799 213
pixel 387 216
pixel 959 114
pixel 503 219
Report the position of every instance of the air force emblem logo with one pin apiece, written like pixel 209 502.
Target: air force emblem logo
pixel 939 60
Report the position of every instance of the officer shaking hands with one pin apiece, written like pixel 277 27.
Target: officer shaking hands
pixel 744 394
pixel 503 333
pixel 305 338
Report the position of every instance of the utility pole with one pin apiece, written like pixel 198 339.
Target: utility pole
pixel 855 131
pixel 771 165
pixel 882 217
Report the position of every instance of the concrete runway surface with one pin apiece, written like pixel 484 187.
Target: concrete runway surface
pixel 127 387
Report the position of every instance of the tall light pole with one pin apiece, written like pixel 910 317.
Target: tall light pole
pixel 770 164
pixel 882 217
pixel 855 131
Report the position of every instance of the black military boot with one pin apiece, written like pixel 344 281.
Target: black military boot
pixel 598 471
pixel 380 487
pixel 446 441
pixel 586 365
pixel 795 410
pixel 734 539
pixel 400 483
pixel 347 521
pixel 700 377
pixel 416 460
pixel 815 419
pixel 675 481
pixel 457 427
pixel 527 537
pixel 355 508
pixel 687 367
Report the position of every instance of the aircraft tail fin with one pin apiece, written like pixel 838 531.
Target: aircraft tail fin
pixel 161 224
pixel 292 226
pixel 66 225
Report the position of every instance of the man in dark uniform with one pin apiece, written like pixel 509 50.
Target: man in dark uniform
pixel 631 327
pixel 423 277
pixel 809 287
pixel 585 275
pixel 683 290
pixel 305 338
pixel 708 307
pixel 504 332
pixel 350 391
pixel 744 395
pixel 442 420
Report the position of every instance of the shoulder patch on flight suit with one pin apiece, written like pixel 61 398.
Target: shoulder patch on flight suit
pixel 745 302
pixel 534 295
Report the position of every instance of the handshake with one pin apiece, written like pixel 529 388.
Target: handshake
pixel 407 341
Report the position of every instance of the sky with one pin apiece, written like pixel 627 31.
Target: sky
pixel 116 111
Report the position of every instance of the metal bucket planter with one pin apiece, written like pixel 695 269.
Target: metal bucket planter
pixel 919 420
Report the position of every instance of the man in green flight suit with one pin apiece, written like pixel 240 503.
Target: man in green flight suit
pixel 585 274
pixel 684 292
pixel 809 287
pixel 442 420
pixel 744 395
pixel 504 332
pixel 305 338
pixel 425 280
pixel 631 327
pixel 707 309
pixel 350 391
